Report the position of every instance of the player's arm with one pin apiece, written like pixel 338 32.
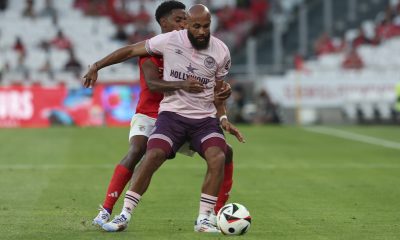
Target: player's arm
pixel 224 92
pixel 118 56
pixel 220 105
pixel 155 84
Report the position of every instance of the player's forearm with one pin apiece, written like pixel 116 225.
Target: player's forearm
pixel 122 55
pixel 221 108
pixel 158 85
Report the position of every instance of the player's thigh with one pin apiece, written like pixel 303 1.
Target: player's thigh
pixel 141 125
pixel 169 134
pixel 208 135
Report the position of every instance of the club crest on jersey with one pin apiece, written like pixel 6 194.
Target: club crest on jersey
pixel 209 62
pixel 142 128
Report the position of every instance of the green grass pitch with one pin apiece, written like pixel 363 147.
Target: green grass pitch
pixel 296 183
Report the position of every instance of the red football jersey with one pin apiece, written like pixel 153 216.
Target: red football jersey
pixel 149 102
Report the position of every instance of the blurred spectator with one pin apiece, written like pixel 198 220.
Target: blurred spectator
pixel 19 46
pixel 121 15
pixel 353 60
pixel 3 5
pixel 386 29
pixel 259 10
pixel 363 39
pixel 81 4
pixel 96 8
pixel 141 33
pixel 324 45
pixel 61 41
pixel 49 10
pixel 234 25
pixel 47 68
pixel 143 16
pixel 29 10
pixel 236 104
pixel 73 64
pixel 267 111
pixel 243 3
pixel 120 34
pixel 21 67
pixel 299 64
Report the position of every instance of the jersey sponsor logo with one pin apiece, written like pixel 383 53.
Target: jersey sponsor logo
pixel 185 76
pixel 209 62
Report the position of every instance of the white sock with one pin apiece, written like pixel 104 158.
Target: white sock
pixel 131 201
pixel 207 203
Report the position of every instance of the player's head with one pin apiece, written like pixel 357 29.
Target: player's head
pixel 171 15
pixel 198 25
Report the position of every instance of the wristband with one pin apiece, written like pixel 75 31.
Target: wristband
pixel 222 118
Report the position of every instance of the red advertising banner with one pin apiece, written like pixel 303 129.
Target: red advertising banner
pixel 27 106
pixel 37 106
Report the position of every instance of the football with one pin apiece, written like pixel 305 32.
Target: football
pixel 233 219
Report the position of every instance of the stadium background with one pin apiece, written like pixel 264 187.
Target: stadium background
pixel 315 92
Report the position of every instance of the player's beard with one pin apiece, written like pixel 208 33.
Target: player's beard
pixel 197 44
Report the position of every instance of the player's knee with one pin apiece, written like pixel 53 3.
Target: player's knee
pixel 215 158
pixel 136 152
pixel 156 156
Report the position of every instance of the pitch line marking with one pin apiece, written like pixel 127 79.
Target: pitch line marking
pixel 355 137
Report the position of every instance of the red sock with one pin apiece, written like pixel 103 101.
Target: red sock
pixel 120 178
pixel 226 187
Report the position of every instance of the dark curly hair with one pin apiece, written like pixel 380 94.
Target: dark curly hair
pixel 166 8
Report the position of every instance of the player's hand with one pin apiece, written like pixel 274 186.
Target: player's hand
pixel 90 77
pixel 224 93
pixel 229 127
pixel 192 85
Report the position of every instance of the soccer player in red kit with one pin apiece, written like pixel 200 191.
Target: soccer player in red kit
pixel 171 16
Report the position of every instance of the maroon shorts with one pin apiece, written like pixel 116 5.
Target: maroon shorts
pixel 173 130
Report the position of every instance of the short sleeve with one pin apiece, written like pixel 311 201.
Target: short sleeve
pixel 156 45
pixel 224 66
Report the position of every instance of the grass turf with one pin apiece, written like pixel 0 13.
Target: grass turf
pixel 297 184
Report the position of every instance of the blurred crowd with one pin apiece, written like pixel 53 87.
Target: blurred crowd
pixel 132 23
pixel 386 26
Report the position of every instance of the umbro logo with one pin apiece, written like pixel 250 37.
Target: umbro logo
pixel 178 51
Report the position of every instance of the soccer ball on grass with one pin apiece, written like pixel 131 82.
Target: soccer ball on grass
pixel 233 219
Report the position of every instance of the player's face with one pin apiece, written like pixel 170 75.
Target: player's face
pixel 199 32
pixel 176 20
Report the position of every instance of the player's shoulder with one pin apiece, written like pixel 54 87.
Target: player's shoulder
pixel 219 47
pixel 219 43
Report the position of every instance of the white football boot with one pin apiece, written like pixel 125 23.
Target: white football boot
pixel 119 223
pixel 205 225
pixel 102 217
pixel 213 219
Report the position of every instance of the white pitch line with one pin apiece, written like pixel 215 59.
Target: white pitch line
pixel 253 167
pixel 355 137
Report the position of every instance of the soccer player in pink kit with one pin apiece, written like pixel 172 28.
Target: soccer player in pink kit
pixel 188 54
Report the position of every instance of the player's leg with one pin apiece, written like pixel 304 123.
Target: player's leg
pixel 123 171
pixel 141 127
pixel 161 145
pixel 226 186
pixel 208 140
